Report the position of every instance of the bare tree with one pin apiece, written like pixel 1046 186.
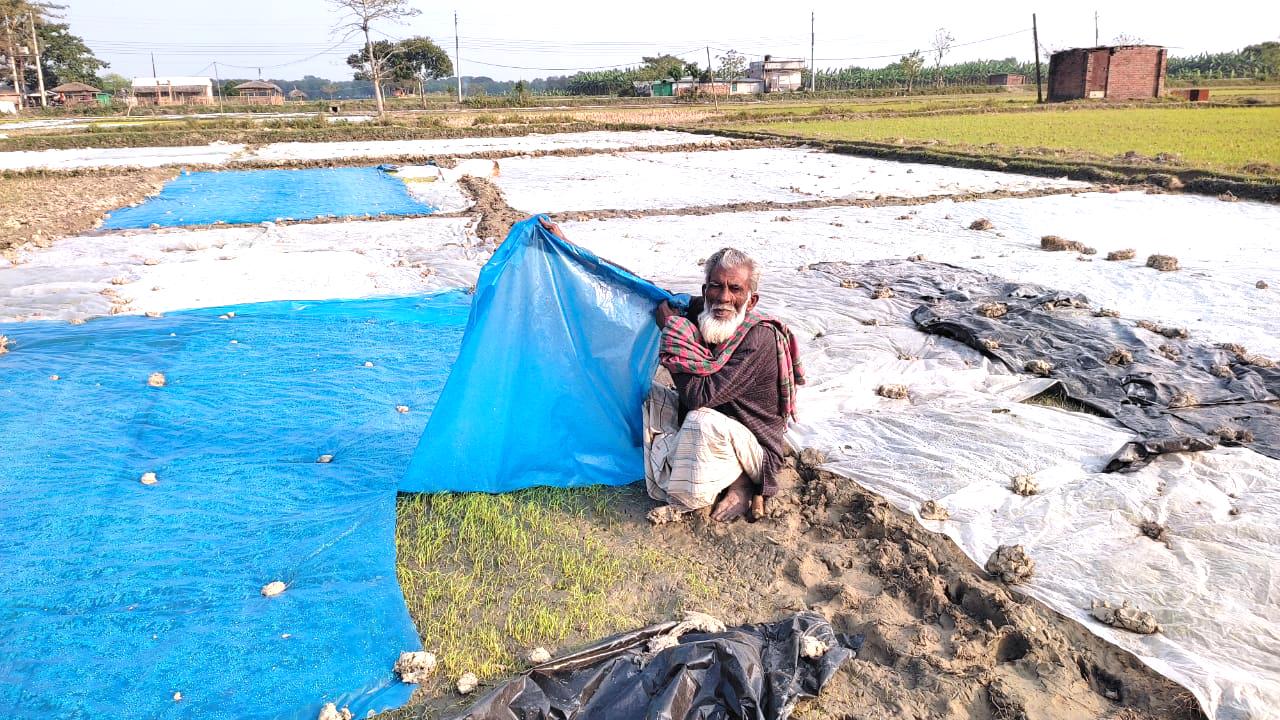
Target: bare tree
pixel 942 42
pixel 358 16
pixel 1126 39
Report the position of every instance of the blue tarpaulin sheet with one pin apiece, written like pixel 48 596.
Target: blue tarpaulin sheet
pixel 558 355
pixel 254 196
pixel 118 594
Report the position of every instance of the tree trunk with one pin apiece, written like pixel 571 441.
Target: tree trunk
pixel 374 71
pixel 35 48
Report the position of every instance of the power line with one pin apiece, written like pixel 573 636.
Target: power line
pixel 908 52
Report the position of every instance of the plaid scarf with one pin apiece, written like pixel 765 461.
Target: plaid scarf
pixel 681 349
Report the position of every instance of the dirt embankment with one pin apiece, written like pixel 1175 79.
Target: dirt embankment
pixel 39 208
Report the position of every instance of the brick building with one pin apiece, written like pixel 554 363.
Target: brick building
pixel 1006 79
pixel 1124 72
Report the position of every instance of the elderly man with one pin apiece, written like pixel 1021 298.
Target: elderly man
pixel 715 438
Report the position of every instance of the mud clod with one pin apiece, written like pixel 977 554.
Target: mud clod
pixel 1005 704
pixel 1120 356
pixel 156 379
pixel 848 284
pixel 1154 530
pixel 539 655
pixel 1234 436
pixel 1235 349
pixel 1183 398
pixel 273 589
pixel 1126 254
pixel 882 293
pixel 467 684
pixel 1054 243
pixel 402 409
pixel 4 344
pixel 1222 371
pixel 981 224
pixel 1011 564
pixel 1170 352
pixel 1124 617
pixel 331 712
pixel 324 459
pixel 1262 285
pixel 1039 367
pixel 931 510
pixel 811 647
pixel 1024 485
pixel 990 344
pixel 148 478
pixel 1163 263
pixel 1107 313
pixel 893 392
pixel 993 310
pixel 415 667
pixel 916 258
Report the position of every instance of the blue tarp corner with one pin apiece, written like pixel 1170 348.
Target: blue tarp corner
pixel 558 355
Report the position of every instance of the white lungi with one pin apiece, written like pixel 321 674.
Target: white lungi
pixel 689 465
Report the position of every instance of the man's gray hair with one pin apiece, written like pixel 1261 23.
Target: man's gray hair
pixel 729 258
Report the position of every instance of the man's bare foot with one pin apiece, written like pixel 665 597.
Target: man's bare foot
pixel 735 501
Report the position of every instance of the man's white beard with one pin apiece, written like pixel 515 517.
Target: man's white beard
pixel 715 331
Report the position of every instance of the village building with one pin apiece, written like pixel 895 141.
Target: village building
pixel 689 86
pixel 74 94
pixel 1006 79
pixel 10 100
pixel 296 94
pixel 172 91
pixel 778 74
pixel 259 92
pixel 1123 72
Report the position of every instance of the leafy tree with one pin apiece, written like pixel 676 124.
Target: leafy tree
pixel 422 60
pixel 358 17
pixel 911 65
pixel 942 42
pixel 1265 57
pixel 64 57
pixel 113 83
pixel 732 65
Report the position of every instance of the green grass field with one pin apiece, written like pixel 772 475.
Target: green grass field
pixel 1223 139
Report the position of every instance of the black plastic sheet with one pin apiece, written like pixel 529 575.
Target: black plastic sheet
pixel 1176 393
pixel 753 672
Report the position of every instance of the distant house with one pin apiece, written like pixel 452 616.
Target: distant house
pixel 76 93
pixel 173 91
pixel 296 94
pixel 777 74
pixel 1124 72
pixel 9 99
pixel 689 86
pixel 1006 79
pixel 258 92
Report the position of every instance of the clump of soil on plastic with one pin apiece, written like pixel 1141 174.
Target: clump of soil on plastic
pixel 414 667
pixel 1054 243
pixel 1228 196
pixel 1173 333
pixel 811 647
pixel 990 344
pixel 273 588
pixel 870 321
pixel 881 293
pixel 1234 436
pixel 1222 371
pixel 1126 254
pixel 848 284
pixel 538 655
pixel 402 409
pixel 1107 313
pixel 981 224
pixel 148 478
pixel 893 392
pixel 326 458
pixel 1163 263
pixel 4 344
pixel 1039 367
pixel 331 712
pixel 1120 356
pixel 467 684
pixel 1125 617
pixel 496 216
pixel 1262 285
pixel 156 379
pixel 1170 352
pixel 1011 563
pixel 932 510
pixel 1154 530
pixel 1024 485
pixel 1182 399
pixel 993 310
pixel 915 258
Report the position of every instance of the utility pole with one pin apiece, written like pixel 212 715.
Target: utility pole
pixel 35 49
pixel 813 69
pixel 218 80
pixel 457 56
pixel 1095 28
pixel 711 74
pixel 16 68
pixel 1035 38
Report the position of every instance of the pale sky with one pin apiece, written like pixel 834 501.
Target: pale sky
pixel 292 38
